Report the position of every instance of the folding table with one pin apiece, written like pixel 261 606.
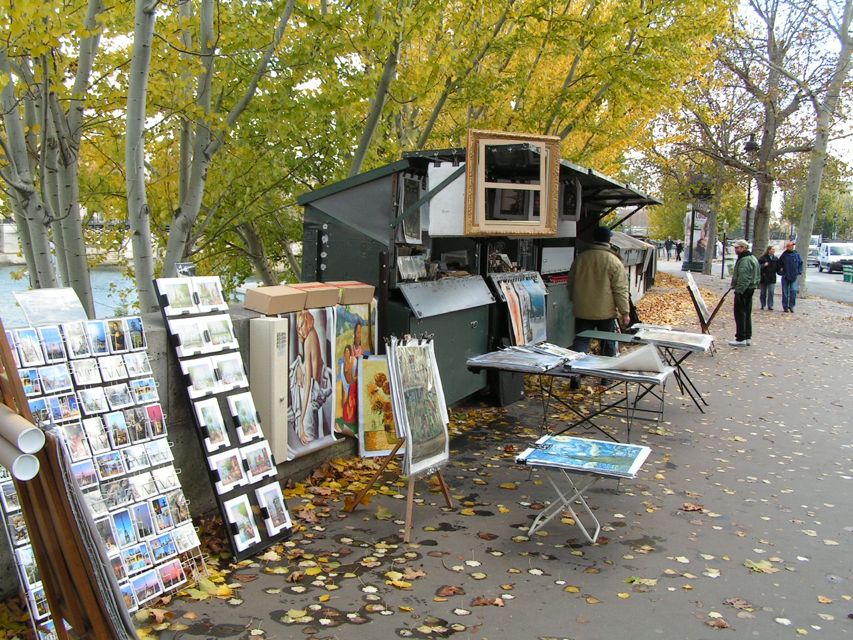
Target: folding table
pixel 562 457
pixel 676 346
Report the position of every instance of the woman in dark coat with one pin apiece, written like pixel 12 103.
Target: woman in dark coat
pixel 768 263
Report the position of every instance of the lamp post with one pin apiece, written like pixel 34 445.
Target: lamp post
pixel 723 267
pixel 750 147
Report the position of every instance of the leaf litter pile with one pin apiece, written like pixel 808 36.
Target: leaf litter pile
pixel 717 533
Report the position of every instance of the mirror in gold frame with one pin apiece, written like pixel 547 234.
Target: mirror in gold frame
pixel 511 184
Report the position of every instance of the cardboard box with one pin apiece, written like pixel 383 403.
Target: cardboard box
pixel 274 300
pixel 320 294
pixel 354 292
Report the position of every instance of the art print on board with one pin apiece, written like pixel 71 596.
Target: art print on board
pixel 515 323
pixel 378 433
pixel 353 340
pixel 259 459
pixel 208 293
pixel 531 300
pixel 210 418
pixel 245 416
pixel 179 296
pixel 228 469
pixel 245 531
pixel 312 391
pixel 271 498
pixel 230 370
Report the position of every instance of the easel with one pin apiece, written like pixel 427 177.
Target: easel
pixel 410 494
pixel 705 318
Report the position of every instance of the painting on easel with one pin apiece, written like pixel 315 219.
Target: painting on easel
pixel 378 434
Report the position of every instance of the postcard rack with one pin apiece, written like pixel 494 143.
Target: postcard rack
pixel 90 382
pixel 241 466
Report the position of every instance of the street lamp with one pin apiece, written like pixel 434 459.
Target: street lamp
pixel 750 147
pixel 723 268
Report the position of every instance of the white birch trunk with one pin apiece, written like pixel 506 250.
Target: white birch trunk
pixel 23 230
pixel 138 213
pixel 207 146
pixel 825 108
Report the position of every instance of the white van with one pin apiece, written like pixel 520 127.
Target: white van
pixel 833 255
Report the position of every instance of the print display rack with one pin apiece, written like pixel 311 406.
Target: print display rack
pixel 420 414
pixel 524 294
pixel 240 461
pixel 91 382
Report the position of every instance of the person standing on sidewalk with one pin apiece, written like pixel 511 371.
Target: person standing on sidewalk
pixel 747 275
pixel 679 247
pixel 790 267
pixel 769 263
pixel 668 246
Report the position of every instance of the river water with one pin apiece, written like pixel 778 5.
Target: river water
pixel 114 294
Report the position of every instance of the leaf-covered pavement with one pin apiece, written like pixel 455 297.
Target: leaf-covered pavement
pixel 739 523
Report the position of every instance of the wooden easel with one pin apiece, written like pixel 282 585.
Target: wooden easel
pixel 410 495
pixel 705 318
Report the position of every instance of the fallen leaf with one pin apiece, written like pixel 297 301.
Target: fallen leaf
pixel 449 590
pixel 383 513
pixel 692 506
pixel 718 623
pixel 762 566
pixel 484 535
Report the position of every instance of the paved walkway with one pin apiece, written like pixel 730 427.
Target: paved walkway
pixel 741 518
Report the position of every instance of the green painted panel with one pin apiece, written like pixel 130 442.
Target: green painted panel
pixel 561 317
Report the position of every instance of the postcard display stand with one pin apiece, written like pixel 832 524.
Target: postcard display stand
pixel 420 413
pixel 92 383
pixel 240 461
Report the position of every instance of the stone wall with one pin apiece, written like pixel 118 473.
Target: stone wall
pixel 189 458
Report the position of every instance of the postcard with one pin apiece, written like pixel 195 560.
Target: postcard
pixel 96 332
pixel 156 421
pixel 84 472
pixel 159 452
pixel 179 507
pixel 242 408
pixel 118 339
pixel 178 296
pixel 271 500
pixel 104 527
pixel 117 493
pixel 190 336
pixel 30 381
pixel 29 347
pixel 230 371
pixel 112 368
pixel 228 470
pixel 220 332
pixel 127 595
pixel 162 514
pixel 76 441
pixel 172 574
pixel 124 529
pixel 93 400
pixel 29 568
pixel 143 486
pixel 118 567
pixel 51 342
pixel 64 407
pixel 137 424
pixel 210 418
pixel 54 378
pixel 116 427
pixel 163 547
pixel 136 333
pixel 95 501
pixel 244 531
pixel 202 379
pixel 86 372
pixel 17 529
pixel 118 396
pixel 186 537
pixel 10 338
pixel 142 520
pixel 166 478
pixel 96 435
pixel 9 497
pixel 76 341
pixel 259 459
pixel 144 390
pixel 208 291
pixel 39 608
pixel 110 465
pixel 40 411
pixel 136 558
pixel 135 458
pixel 137 364
pixel 146 586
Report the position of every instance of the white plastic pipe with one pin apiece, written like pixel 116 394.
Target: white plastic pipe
pixel 22 466
pixel 20 433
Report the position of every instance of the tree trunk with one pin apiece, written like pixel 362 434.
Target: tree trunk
pixel 20 178
pixel 138 213
pixel 177 245
pixel 761 230
pixel 22 229
pixel 817 161
pixel 711 238
pixel 256 253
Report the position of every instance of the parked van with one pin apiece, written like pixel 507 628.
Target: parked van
pixel 834 255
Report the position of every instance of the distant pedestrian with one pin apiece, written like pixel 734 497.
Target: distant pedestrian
pixel 679 247
pixel 769 263
pixel 668 245
pixel 790 267
pixel 747 275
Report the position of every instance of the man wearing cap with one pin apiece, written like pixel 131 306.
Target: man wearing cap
pixel 599 291
pixel 747 275
pixel 790 267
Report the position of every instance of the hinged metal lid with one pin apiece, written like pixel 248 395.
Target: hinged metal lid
pixel 435 297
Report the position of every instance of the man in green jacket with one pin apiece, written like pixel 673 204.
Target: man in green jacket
pixel 599 291
pixel 747 275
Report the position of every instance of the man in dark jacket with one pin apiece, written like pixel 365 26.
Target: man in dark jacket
pixel 769 264
pixel 747 275
pixel 790 268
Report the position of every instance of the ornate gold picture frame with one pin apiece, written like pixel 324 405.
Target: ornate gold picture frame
pixel 520 202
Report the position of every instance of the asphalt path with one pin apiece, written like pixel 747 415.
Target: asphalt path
pixel 829 285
